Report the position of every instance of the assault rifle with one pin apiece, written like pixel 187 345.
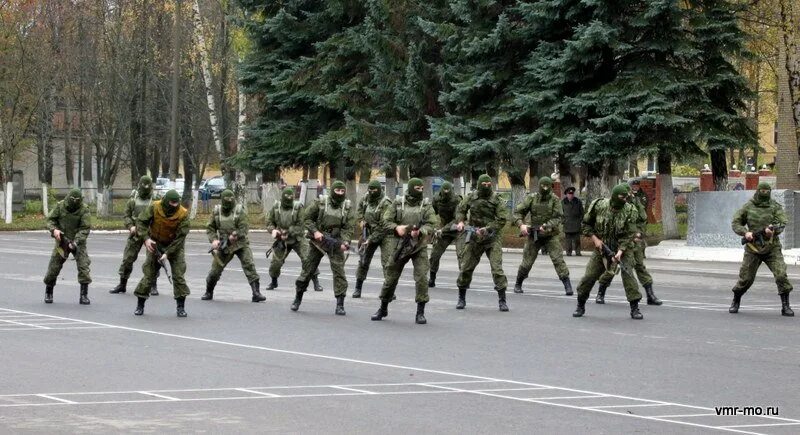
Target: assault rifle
pixel 471 231
pixel 760 237
pixel 163 263
pixel 279 245
pixel 408 245
pixel 66 246
pixel 533 232
pixel 223 246
pixel 610 254
pixel 363 241
pixel 328 244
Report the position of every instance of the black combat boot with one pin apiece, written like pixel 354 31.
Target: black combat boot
pixel 518 284
pixel 48 294
pixel 317 286
pixel 737 299
pixel 357 291
pixel 567 286
pixel 382 312
pixel 209 294
pixel 273 284
pixel 257 296
pixel 432 280
pixel 786 310
pixel 421 313
pixel 651 297
pixel 179 306
pixel 501 300
pixel 154 287
pixel 580 310
pixel 298 299
pixel 139 306
pixel 601 294
pixel 340 306
pixel 462 298
pixel 84 299
pixel 121 287
pixel 635 313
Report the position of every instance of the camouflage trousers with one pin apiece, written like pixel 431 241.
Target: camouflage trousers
pixel 441 244
pixel 300 247
pixel 597 266
pixel 222 259
pixel 773 258
pixel 177 266
pixel 129 256
pixel 393 272
pixel 642 274
pixel 311 264
pixel 553 246
pixel 57 262
pixel 369 251
pixel 493 249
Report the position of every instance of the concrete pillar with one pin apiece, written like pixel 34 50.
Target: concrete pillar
pixel 751 180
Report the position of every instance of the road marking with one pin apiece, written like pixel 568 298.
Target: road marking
pixel 160 396
pixel 758 425
pixel 584 393
pixel 356 390
pixel 69 402
pixel 257 392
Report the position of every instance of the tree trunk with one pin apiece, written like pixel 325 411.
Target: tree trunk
pixel 533 172
pixel 669 220
pixel 719 169
pixel 69 158
pixel 597 181
pixel 518 191
pixel 271 190
pixel 205 64
pixel 311 185
pixel 176 72
pixel 391 181
pixel 364 177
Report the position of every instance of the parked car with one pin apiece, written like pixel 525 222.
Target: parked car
pixel 212 187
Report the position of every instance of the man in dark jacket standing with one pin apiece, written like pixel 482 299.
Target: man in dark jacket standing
pixel 573 215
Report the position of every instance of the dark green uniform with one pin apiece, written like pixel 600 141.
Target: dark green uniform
pixel 546 218
pixel 370 214
pixel 639 245
pixel 407 213
pixel 286 218
pixel 485 211
pixel 140 199
pixel 614 222
pixel 165 226
pixel 759 213
pixel 70 217
pixel 445 204
pixel 333 216
pixel 229 223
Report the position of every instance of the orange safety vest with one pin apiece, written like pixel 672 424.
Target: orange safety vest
pixel 164 228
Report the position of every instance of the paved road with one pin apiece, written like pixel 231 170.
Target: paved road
pixel 237 366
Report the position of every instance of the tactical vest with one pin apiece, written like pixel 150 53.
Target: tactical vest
pixel 446 209
pixel 542 211
pixel 608 225
pixel 482 211
pixel 69 222
pixel 164 229
pixel 140 204
pixel 405 214
pixel 374 214
pixel 285 219
pixel 331 219
pixel 227 224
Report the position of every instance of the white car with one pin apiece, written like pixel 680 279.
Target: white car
pixel 163 185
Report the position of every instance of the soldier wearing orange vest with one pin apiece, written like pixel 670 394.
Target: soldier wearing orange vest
pixel 164 225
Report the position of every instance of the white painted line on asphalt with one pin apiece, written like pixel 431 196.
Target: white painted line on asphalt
pixel 685 415
pixel 423 370
pixel 636 405
pixel 759 425
pixel 160 396
pixel 261 393
pixel 567 397
pixel 355 390
pixel 56 399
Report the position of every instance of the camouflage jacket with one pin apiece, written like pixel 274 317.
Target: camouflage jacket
pixel 616 228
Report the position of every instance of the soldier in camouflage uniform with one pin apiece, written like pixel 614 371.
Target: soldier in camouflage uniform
pixel 330 221
pixel 611 222
pixel 164 225
pixel 485 214
pixel 285 222
pixel 70 221
pixel 229 222
pixel 635 198
pixel 142 197
pixel 445 204
pixel 370 215
pixel 760 222
pixel 409 220
pixel 546 216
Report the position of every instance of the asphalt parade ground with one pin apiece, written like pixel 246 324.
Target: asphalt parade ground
pixel 237 366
